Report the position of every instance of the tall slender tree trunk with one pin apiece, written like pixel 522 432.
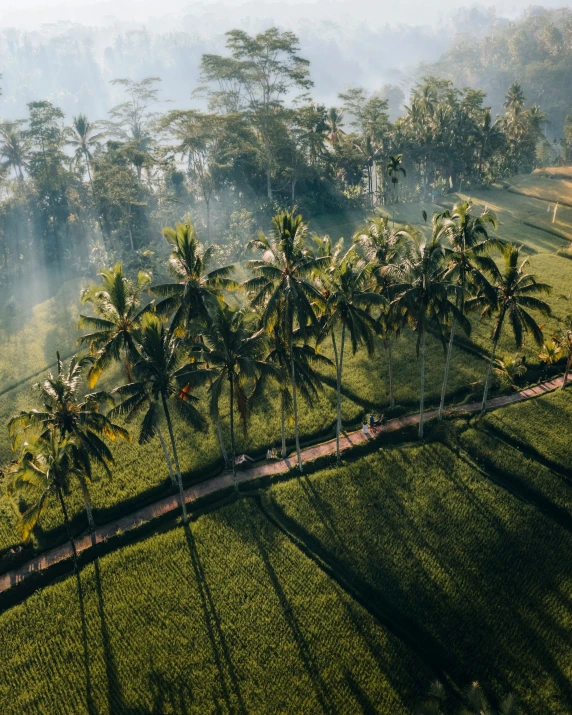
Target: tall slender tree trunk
pixel 339 367
pixel 567 369
pixel 176 458
pixel 95 200
pixel 390 357
pixel 295 405
pixel 166 455
pixel 283 426
pixel 221 441
pixel 422 400
pixel 232 450
pixel 68 529
pixel 87 503
pixel 489 373
pixel 447 364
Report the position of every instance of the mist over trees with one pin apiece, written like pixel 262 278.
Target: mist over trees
pixel 83 190
pixel 536 51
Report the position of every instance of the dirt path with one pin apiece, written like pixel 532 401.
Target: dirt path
pixel 170 503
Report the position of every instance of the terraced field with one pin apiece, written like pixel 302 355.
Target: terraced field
pixel 345 591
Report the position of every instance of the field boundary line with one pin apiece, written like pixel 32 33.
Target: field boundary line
pixel 225 481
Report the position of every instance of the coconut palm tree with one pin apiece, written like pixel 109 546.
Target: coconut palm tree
pixel 116 303
pixel 515 293
pixel 43 471
pixel 308 379
pixel 394 168
pixel 384 247
pixel 467 263
pixel 83 139
pixel 67 413
pixel 283 289
pixel 423 297
pixel 158 369
pixel 14 148
pixel 349 293
pixel 233 353
pixel 509 369
pixel 335 123
pixel 197 287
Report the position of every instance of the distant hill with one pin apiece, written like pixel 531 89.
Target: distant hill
pixel 535 51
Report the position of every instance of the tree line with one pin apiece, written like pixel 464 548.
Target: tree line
pixel 86 192
pixel 203 335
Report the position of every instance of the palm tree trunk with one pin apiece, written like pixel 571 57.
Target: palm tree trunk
pixel 447 364
pixel 390 355
pixel 68 529
pixel 337 362
pixel 339 366
pixel 221 441
pixel 166 455
pixel 422 400
pixel 176 457
pixel 232 450
pixel 295 405
pixel 86 501
pixel 567 370
pixel 283 425
pixel 489 373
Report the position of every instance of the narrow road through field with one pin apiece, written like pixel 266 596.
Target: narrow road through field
pixel 224 481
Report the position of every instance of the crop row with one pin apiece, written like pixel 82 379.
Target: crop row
pixel 229 617
pixel 483 572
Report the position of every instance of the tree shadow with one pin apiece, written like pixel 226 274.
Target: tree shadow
pixel 216 636
pixel 115 702
pixel 320 687
pixel 91 707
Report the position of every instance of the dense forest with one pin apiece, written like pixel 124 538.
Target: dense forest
pixel 79 192
pixel 537 51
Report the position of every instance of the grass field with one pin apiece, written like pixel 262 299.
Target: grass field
pixel 345 591
pixel 556 189
pixel 231 618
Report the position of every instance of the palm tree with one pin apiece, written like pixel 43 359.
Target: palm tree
pixel 283 288
pixel 509 369
pixel 196 288
pixel 466 263
pixel 83 140
pixel 68 414
pixel 43 471
pixel 384 247
pixel 394 168
pixel 349 293
pixel 335 123
pixel 14 149
pixel 232 352
pixel 118 313
pixel 159 368
pixel 308 380
pixel 564 339
pixel 488 133
pixel 423 297
pixel 515 292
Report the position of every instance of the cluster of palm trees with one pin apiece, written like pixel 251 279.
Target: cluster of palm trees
pixel 205 332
